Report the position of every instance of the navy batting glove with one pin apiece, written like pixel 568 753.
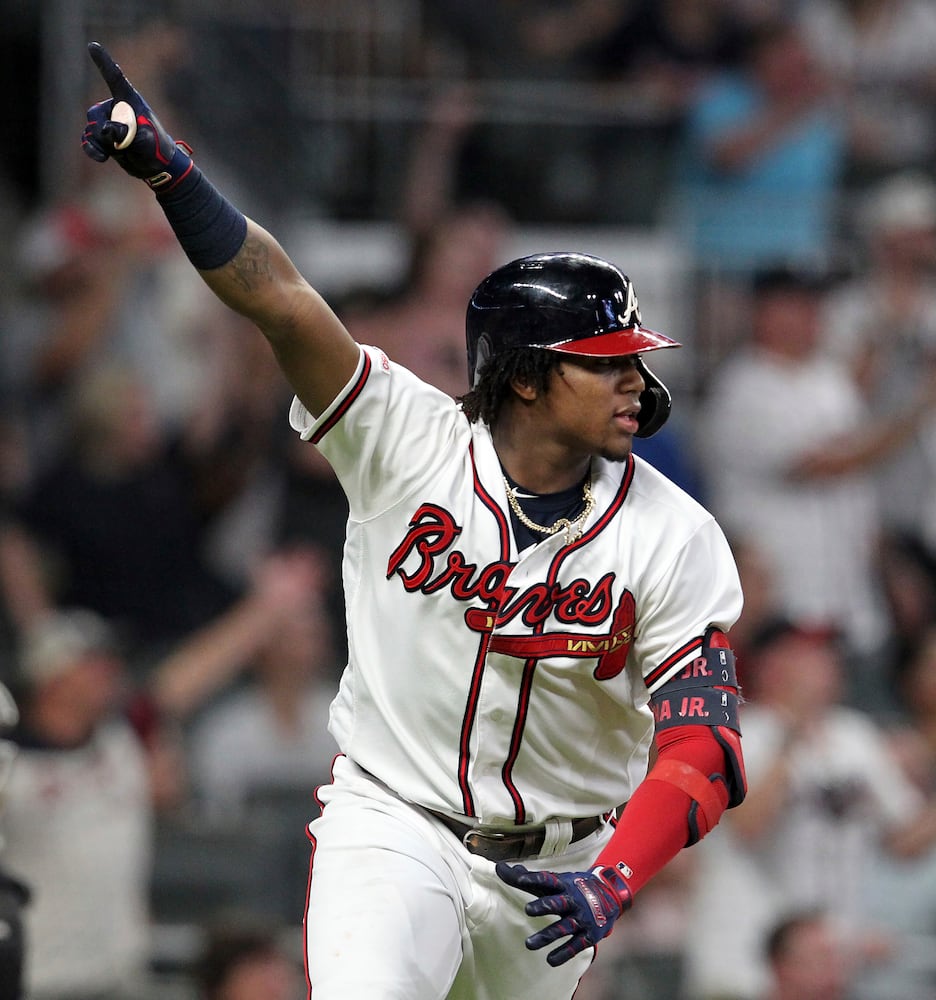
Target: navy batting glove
pixel 151 153
pixel 587 904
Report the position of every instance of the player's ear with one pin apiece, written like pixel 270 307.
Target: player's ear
pixel 524 388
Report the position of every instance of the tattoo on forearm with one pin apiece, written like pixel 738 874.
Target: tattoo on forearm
pixel 252 264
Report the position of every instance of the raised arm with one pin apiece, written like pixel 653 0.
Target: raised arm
pixel 239 260
pixel 314 350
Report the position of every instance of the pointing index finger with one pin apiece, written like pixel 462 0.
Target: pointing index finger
pixel 119 85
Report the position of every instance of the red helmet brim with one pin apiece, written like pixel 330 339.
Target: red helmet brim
pixel 617 343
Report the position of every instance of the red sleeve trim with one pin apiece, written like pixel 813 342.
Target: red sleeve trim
pixel 350 396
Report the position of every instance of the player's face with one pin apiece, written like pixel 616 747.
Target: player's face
pixel 592 405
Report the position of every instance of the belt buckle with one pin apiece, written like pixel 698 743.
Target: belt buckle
pixel 475 839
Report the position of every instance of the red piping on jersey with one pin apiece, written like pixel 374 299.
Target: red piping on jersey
pixel 516 739
pixel 471 706
pixel 502 524
pixel 602 522
pixel 349 398
pixel 529 669
pixel 693 646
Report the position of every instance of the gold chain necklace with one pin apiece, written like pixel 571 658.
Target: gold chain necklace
pixel 573 529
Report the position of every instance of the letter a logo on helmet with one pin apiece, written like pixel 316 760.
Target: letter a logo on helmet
pixel 567 302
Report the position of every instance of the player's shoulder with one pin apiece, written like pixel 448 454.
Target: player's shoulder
pixel 652 489
pixel 406 383
pixel 378 385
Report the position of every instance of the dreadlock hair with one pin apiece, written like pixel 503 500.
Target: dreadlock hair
pixel 531 365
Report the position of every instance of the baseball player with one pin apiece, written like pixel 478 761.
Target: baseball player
pixel 530 608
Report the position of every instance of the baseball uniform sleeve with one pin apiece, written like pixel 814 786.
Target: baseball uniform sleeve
pixel 699 588
pixel 383 433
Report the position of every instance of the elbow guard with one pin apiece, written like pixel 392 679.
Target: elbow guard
pixel 708 767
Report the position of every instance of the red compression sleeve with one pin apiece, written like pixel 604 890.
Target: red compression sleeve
pixel 654 826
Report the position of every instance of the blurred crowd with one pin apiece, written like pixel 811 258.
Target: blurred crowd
pixel 171 613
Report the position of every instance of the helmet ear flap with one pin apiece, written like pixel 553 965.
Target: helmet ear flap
pixel 655 403
pixel 478 356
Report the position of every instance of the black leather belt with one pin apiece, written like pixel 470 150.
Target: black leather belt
pixel 512 845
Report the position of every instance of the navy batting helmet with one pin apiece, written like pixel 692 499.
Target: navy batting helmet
pixel 567 302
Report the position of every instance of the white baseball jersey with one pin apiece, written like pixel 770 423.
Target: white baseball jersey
pixel 484 682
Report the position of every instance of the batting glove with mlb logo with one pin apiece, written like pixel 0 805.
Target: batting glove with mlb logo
pixel 587 903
